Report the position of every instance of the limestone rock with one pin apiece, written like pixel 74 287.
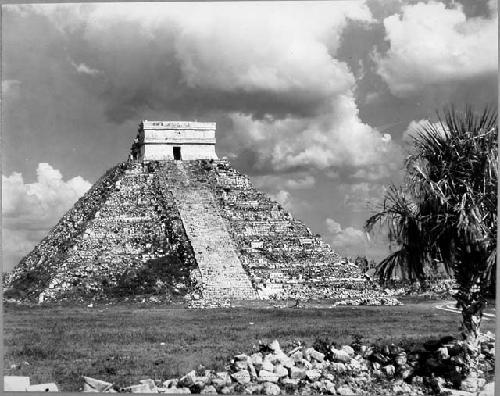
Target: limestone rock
pixel 176 391
pixel 348 349
pixel 256 360
pixel 141 388
pixel 340 355
pixel 345 391
pixel 280 371
pixel 209 390
pixel 242 377
pixel 389 370
pixel 470 384
pixel 221 379
pixel 275 347
pixel 338 366
pixel 15 383
pixel 267 365
pixel 271 389
pixel 488 390
pixel 51 387
pixel 268 376
pixel 297 373
pixel 313 375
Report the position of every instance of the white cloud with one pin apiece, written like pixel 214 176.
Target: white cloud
pixel 360 197
pixel 272 66
pixel 349 240
pixel 336 137
pixel 82 68
pixel 282 197
pixel 333 226
pixel 10 89
pixel 300 183
pixel 432 44
pixel 246 46
pixel 8 85
pixel 29 210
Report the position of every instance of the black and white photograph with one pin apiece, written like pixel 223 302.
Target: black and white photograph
pixel 250 197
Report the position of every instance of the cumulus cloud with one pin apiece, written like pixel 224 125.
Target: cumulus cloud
pixel 349 240
pixel 270 68
pixel 332 226
pixel 10 89
pixel 29 210
pixel 263 57
pixel 283 198
pixel 82 68
pixel 9 85
pixel 293 181
pixel 300 183
pixel 432 44
pixel 336 137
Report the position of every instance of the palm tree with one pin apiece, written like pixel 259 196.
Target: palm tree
pixel 446 208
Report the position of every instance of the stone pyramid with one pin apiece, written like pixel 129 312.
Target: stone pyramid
pixel 194 229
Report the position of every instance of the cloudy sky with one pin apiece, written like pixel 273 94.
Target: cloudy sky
pixel 314 101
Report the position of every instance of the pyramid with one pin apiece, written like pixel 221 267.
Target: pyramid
pixel 174 221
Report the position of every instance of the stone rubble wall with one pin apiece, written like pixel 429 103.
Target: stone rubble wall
pixel 438 367
pixel 222 275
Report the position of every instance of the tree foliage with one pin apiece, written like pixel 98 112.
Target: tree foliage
pixel 446 209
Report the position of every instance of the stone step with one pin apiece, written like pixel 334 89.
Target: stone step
pixel 222 273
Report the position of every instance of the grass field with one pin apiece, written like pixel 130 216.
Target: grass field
pixel 123 343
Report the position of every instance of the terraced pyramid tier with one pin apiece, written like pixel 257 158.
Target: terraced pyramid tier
pixel 178 228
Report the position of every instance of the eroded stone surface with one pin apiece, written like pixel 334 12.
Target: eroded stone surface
pixel 230 242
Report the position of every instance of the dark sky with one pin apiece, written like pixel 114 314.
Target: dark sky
pixel 312 100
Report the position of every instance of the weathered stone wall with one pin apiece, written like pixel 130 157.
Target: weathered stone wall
pixel 229 240
pixel 33 274
pixel 132 224
pixel 281 255
pixel 161 152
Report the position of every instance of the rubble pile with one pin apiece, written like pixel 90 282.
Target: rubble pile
pixel 436 368
pixel 379 300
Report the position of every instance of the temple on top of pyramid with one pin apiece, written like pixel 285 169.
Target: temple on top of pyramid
pixel 174 140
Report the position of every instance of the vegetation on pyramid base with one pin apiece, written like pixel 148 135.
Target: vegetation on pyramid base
pixel 165 276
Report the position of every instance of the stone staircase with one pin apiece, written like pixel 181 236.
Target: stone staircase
pixel 222 275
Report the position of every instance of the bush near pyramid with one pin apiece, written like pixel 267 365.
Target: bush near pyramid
pixel 175 221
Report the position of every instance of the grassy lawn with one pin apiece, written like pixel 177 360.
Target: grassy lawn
pixel 122 343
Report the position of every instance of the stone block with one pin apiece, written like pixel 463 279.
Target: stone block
pixel 348 349
pixel 50 387
pixel 271 389
pixel 297 373
pixel 345 391
pixel 15 383
pixel 209 390
pixel 97 385
pixel 242 377
pixel 141 388
pixel 267 376
pixel 340 355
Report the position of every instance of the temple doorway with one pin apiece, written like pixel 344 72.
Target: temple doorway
pixel 177 153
